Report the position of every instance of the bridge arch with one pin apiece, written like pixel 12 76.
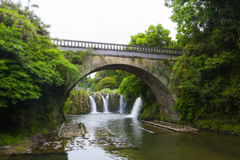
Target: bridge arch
pixel 146 69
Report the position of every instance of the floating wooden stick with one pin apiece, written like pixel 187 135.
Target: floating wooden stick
pixel 60 129
pixel 170 128
pixel 107 130
pixel 84 130
pixel 142 128
pixel 159 127
pixel 180 127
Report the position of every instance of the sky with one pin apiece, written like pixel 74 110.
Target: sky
pixel 110 21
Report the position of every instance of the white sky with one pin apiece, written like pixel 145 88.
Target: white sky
pixel 110 21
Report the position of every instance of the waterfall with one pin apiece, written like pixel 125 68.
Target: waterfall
pixel 105 103
pixel 94 96
pixel 107 100
pixel 122 104
pixel 92 104
pixel 136 107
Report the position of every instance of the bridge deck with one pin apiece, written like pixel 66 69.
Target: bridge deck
pixel 118 49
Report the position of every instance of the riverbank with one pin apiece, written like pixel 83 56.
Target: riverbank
pixel 25 144
pixel 219 125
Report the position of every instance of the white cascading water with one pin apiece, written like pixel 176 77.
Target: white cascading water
pixel 136 108
pixel 107 100
pixel 105 104
pixel 122 104
pixel 94 96
pixel 92 104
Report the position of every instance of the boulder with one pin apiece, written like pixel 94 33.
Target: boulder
pixel 40 136
pixel 33 139
pixel 4 147
pixel 51 133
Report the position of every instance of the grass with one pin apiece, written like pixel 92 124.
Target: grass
pixel 79 125
pixel 153 69
pixel 45 131
pixel 108 90
pixel 6 139
pixel 217 124
pixel 21 149
pixel 148 68
pixel 133 58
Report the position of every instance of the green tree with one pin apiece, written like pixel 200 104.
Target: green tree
pixel 132 87
pixel 83 83
pixel 118 75
pixel 107 82
pixel 154 36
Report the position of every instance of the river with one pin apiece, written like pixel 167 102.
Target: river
pixel 162 145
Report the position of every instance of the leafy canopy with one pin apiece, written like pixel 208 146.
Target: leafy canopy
pixel 107 82
pixel 207 77
pixel 154 36
pixel 132 86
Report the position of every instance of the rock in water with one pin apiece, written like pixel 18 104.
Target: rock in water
pixel 85 136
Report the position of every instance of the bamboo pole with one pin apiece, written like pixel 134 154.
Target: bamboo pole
pixel 107 130
pixel 170 128
pixel 60 129
pixel 141 128
pixel 159 127
pixel 186 127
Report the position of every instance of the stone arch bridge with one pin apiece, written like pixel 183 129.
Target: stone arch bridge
pixel 148 63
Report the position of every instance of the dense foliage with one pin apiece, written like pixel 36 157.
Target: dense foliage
pixel 132 86
pixel 76 57
pixel 32 73
pixel 207 76
pixel 28 59
pixel 107 82
pixel 94 84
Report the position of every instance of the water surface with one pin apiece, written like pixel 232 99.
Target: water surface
pixel 163 145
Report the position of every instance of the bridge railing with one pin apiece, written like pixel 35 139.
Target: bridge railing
pixel 115 47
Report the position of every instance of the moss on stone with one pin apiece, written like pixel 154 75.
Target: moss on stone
pixel 77 103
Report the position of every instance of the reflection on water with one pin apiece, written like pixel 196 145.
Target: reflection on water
pixel 162 145
pixel 62 156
